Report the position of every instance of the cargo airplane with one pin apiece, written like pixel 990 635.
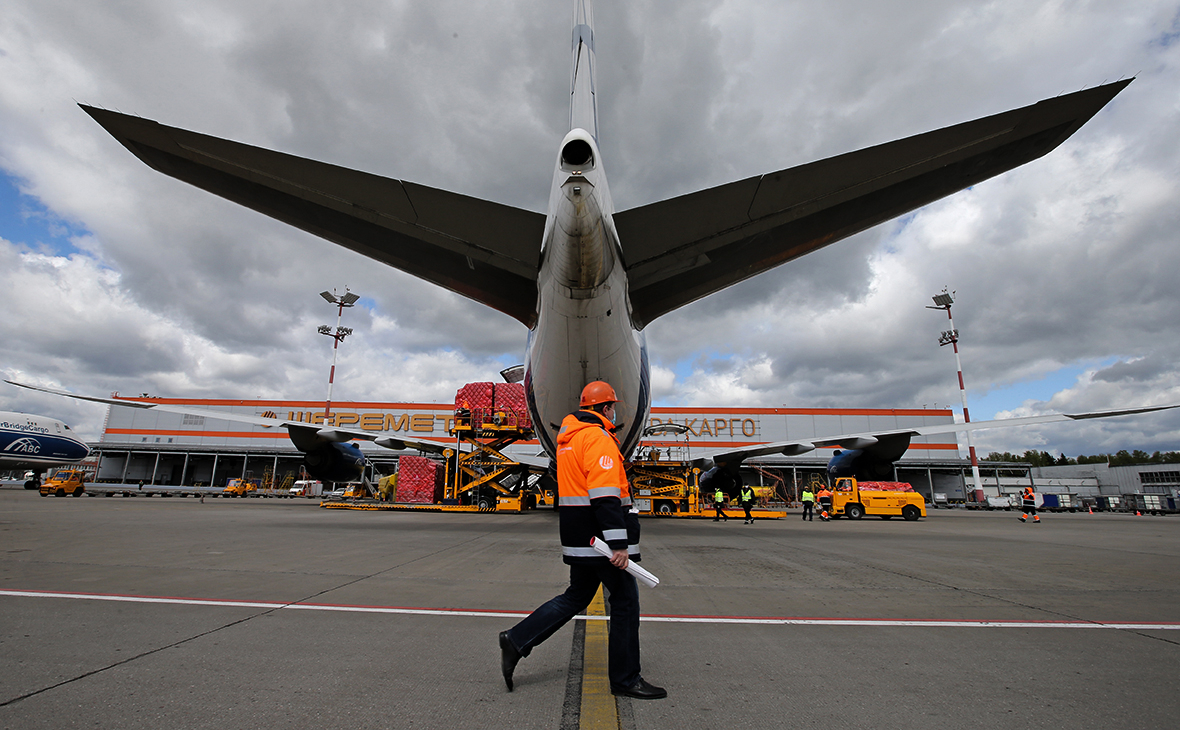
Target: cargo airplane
pixel 37 443
pixel 586 280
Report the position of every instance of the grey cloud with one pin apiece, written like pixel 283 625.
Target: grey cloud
pixel 1067 260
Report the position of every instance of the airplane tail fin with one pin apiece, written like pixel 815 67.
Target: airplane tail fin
pixel 583 107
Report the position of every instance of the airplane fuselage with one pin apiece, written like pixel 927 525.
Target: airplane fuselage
pixel 37 442
pixel 584 330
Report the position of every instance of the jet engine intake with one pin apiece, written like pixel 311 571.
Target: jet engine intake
pixel 577 153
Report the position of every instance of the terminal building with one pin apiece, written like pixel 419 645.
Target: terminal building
pixel 164 448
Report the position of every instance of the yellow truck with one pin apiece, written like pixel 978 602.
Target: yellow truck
pixel 239 488
pixel 882 499
pixel 65 481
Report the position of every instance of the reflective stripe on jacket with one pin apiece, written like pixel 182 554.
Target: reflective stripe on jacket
pixel 594 496
pixel 747 494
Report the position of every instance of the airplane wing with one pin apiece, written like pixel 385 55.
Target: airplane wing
pixel 893 443
pixel 482 250
pixel 684 248
pixel 305 436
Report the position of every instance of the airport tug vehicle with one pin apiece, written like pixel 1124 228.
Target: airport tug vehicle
pixel 854 500
pixel 239 488
pixel 63 482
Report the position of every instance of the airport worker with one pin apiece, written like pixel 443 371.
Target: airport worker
pixel 808 499
pixel 594 501
pixel 718 480
pixel 824 496
pixel 747 499
pixel 719 505
pixel 1028 500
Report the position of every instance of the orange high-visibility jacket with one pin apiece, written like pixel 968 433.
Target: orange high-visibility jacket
pixel 593 494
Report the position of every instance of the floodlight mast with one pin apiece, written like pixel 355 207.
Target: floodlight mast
pixel 951 337
pixel 348 300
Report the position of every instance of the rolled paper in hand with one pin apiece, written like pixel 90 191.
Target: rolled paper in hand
pixel 633 568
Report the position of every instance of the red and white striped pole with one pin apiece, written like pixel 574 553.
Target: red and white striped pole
pixel 349 299
pixel 951 337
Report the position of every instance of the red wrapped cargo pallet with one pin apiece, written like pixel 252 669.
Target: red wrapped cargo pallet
pixel 419 480
pixel 479 398
pixel 511 401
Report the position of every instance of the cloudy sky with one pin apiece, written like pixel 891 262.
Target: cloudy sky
pixel 1065 271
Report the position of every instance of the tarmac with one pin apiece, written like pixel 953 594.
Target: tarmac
pixel 157 613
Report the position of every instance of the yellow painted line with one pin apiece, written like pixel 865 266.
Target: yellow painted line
pixel 598 704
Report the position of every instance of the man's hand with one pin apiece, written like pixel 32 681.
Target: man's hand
pixel 619 559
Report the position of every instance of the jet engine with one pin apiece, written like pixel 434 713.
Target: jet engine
pixel 334 462
pixel 872 463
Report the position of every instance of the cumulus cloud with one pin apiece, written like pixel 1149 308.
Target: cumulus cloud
pixel 1066 261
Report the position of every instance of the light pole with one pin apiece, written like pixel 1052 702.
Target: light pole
pixel 349 299
pixel 951 337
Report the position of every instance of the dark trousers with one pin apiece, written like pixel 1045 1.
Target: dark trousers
pixel 720 506
pixel 1030 508
pixel 809 511
pixel 623 595
pixel 746 506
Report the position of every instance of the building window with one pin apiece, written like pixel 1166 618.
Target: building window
pixel 1159 477
pixel 191 420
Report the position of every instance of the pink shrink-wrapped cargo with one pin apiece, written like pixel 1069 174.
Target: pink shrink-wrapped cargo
pixel 885 487
pixel 511 401
pixel 419 480
pixel 479 399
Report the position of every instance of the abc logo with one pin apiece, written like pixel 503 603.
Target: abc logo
pixel 606 462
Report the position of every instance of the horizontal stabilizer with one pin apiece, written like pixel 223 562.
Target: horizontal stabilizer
pixel 682 249
pixel 482 250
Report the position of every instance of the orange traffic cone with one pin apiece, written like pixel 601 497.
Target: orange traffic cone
pixel 1091 510
pixel 1138 513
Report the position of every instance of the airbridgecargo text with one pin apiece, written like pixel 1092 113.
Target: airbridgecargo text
pixel 23 427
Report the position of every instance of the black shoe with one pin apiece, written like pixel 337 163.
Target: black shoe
pixel 641 690
pixel 509 656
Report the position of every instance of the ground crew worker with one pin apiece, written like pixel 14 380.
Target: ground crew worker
pixel 719 506
pixel 747 500
pixel 808 504
pixel 594 501
pixel 825 503
pixel 723 480
pixel 1028 500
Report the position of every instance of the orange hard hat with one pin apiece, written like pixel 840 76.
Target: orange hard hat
pixel 597 392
